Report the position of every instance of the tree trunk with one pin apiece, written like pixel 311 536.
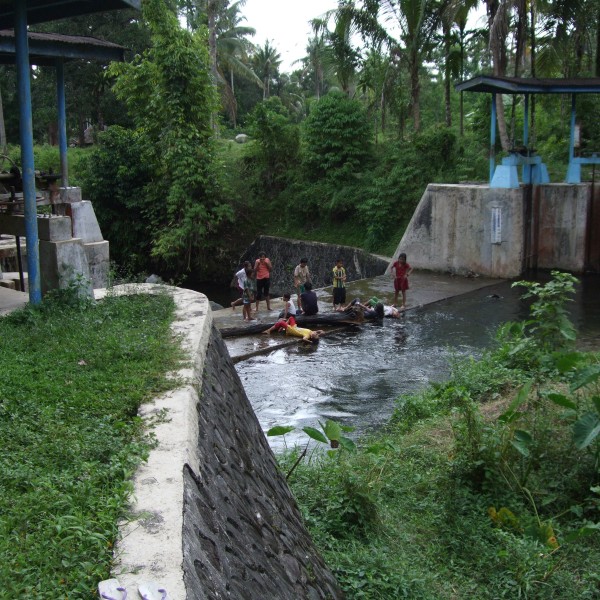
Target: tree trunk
pixel 598 43
pixel 3 145
pixel 498 50
pixel 415 91
pixel 462 78
pixel 533 50
pixel 447 75
pixel 302 321
pixel 211 15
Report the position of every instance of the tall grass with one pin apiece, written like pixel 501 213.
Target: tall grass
pixel 480 487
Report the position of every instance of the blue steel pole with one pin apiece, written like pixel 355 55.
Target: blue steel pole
pixel 493 138
pixel 62 122
pixel 527 166
pixel 26 139
pixel 526 122
pixel 572 136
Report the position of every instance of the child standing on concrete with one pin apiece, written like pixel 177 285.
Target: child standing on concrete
pixel 301 278
pixel 403 270
pixel 339 284
pixel 249 293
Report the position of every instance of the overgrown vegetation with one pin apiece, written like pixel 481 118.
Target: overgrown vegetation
pixel 340 150
pixel 74 375
pixel 485 486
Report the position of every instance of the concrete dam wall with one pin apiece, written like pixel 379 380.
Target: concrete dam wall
pixel 213 515
pixel 503 232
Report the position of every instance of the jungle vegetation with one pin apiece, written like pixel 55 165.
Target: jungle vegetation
pixel 482 486
pixel 340 149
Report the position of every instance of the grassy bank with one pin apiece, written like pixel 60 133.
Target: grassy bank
pixel 74 375
pixel 486 486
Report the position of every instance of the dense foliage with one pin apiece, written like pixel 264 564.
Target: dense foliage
pixel 340 150
pixel 484 486
pixel 75 374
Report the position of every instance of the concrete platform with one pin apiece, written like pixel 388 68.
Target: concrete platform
pixel 425 288
pixel 11 300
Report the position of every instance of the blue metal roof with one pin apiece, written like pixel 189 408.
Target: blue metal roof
pixel 522 85
pixel 40 11
pixel 45 48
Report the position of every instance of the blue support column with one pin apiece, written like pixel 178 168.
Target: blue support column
pixel 62 122
pixel 26 139
pixel 493 138
pixel 526 122
pixel 526 166
pixel 574 169
pixel 572 135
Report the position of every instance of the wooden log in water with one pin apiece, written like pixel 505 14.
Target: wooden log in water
pixel 312 322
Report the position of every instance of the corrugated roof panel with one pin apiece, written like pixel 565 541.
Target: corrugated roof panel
pixel 40 11
pixel 523 85
pixel 45 48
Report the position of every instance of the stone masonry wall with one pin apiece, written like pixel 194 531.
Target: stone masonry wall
pixel 211 514
pixel 285 254
pixel 243 533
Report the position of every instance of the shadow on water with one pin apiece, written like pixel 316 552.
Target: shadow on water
pixel 355 376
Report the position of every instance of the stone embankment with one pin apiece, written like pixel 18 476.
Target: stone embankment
pixel 285 254
pixel 213 515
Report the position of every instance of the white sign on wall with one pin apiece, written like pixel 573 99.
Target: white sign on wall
pixel 496 225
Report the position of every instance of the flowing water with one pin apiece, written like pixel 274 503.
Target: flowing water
pixel 355 376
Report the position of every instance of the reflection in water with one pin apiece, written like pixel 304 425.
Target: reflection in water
pixel 355 376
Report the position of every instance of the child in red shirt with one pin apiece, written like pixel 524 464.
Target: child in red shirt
pixel 403 270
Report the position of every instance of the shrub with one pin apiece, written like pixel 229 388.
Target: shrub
pixel 336 138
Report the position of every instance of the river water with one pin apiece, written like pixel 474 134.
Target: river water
pixel 355 376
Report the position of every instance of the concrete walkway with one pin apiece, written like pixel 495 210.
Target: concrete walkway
pixel 11 300
pixel 425 288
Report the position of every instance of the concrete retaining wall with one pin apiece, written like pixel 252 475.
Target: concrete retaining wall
pixel 562 220
pixel 285 255
pixel 498 232
pixel 71 247
pixel 214 517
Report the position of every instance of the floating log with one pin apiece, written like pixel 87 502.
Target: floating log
pixel 284 342
pixel 333 318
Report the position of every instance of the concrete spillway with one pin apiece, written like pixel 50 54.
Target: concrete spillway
pixel 499 232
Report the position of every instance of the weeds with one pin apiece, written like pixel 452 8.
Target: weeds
pixel 485 486
pixel 74 375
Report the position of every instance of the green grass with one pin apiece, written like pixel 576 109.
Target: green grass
pixel 74 375
pixel 396 522
pixel 407 517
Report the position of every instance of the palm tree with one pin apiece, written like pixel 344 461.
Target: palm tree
pixel 457 14
pixel 569 34
pixel 417 21
pixel 233 50
pixel 266 61
pixel 316 61
pixel 343 57
pixel 228 45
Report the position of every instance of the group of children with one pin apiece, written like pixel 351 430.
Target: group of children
pixel 254 283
